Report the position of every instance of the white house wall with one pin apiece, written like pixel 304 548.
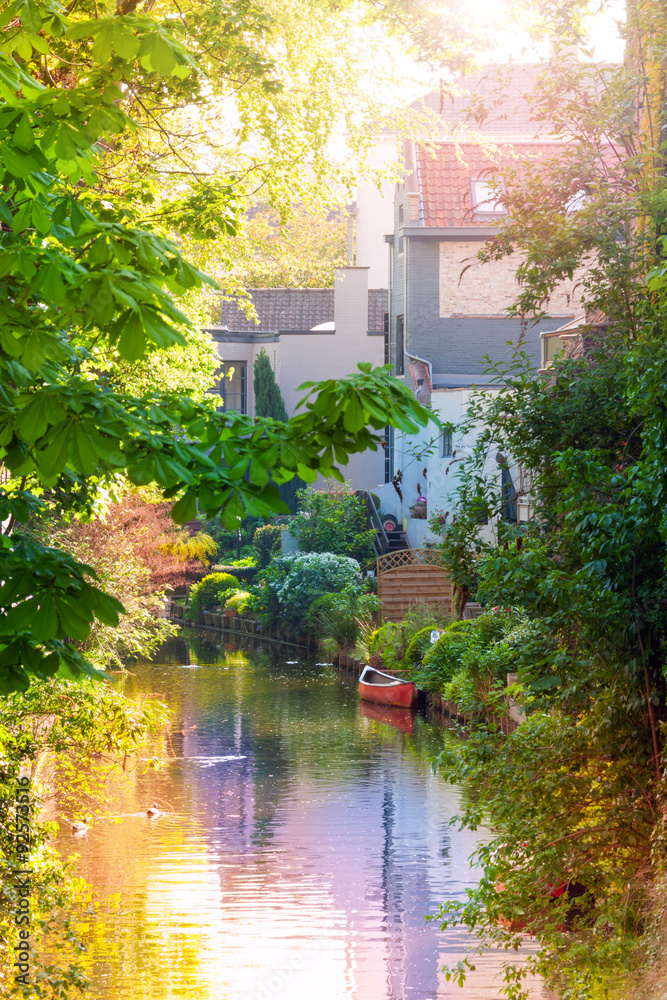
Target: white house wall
pixel 441 483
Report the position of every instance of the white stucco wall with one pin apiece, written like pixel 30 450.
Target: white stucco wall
pixel 440 484
pixel 318 356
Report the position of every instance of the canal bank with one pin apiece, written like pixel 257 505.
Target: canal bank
pixel 251 633
pixel 299 846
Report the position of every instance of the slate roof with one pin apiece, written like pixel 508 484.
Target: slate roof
pixel 444 175
pixel 492 101
pixel 297 309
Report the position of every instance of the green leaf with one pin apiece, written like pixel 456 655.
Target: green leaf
pixel 23 136
pixel 72 623
pixel 19 618
pixel 185 509
pixel 53 458
pixel 161 56
pixel 45 621
pixel 132 342
pixel 354 418
pixel 108 609
pixel 85 451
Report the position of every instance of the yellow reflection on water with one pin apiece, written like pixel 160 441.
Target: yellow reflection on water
pixel 304 848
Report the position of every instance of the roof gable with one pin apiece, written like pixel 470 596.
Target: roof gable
pixel 444 177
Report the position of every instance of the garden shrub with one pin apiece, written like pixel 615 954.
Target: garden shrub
pixel 333 520
pixel 244 574
pixel 391 642
pixel 443 658
pixel 211 592
pixel 239 601
pixel 267 542
pixel 470 661
pixel 291 583
pixel 338 619
pixel 418 646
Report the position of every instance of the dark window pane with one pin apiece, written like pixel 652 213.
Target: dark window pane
pixel 231 386
pixel 399 361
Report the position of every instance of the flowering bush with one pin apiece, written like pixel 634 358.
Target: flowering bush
pixel 292 582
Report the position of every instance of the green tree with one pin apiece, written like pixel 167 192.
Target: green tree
pixel 301 252
pixel 270 403
pixel 581 783
pixel 268 397
pixel 333 520
pixel 77 270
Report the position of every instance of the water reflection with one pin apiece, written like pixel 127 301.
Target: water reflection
pixel 300 845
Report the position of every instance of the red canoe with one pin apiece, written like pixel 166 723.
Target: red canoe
pixel 400 718
pixel 374 685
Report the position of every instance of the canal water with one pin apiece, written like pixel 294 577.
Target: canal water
pixel 300 845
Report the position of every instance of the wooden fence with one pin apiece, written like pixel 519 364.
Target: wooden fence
pixel 412 576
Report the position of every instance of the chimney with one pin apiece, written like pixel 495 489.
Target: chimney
pixel 351 309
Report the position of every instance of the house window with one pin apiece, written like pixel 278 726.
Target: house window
pixel 399 360
pixel 400 244
pixel 401 216
pixel 446 444
pixel 232 385
pixel 485 199
pixel 388 454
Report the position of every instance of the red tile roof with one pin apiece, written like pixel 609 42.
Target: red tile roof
pixel 444 175
pixel 297 309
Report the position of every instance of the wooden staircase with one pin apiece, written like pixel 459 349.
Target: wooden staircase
pixel 396 541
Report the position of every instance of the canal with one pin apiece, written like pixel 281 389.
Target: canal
pixel 300 845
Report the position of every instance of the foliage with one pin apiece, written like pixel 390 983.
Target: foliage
pixel 339 618
pixel 594 836
pixel 587 767
pixel 227 540
pixel 165 455
pixel 333 520
pixel 270 403
pixel 268 398
pixel 241 601
pixel 590 571
pixel 73 736
pixel 291 583
pixel 111 552
pixel 211 592
pixel 199 546
pixel 300 253
pixel 389 644
pixel 267 542
pixel 462 648
pixel 244 574
pixel 86 268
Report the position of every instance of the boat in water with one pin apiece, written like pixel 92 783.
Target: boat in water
pixel 375 685
pixel 399 718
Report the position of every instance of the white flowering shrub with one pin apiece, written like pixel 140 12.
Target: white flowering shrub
pixel 291 583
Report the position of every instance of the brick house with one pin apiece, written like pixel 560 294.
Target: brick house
pixel 447 311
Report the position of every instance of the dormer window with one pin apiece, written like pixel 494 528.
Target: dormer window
pixel 485 198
